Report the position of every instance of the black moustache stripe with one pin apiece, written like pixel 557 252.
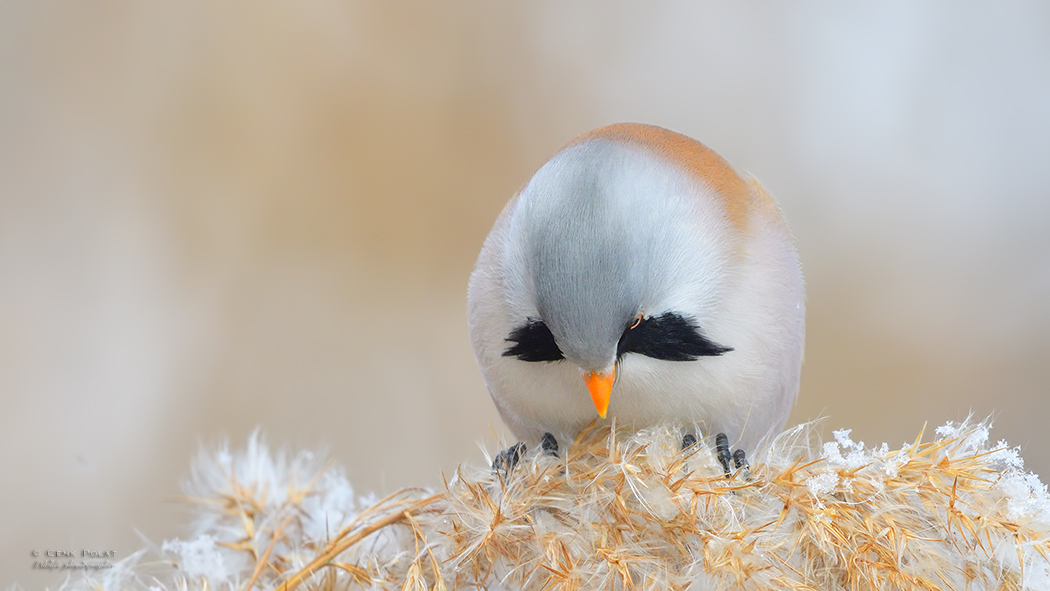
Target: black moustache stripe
pixel 669 337
pixel 533 341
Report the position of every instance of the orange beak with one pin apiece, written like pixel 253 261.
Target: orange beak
pixel 600 385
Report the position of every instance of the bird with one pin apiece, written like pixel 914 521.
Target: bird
pixel 638 277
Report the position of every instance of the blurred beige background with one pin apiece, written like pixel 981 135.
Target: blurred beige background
pixel 217 216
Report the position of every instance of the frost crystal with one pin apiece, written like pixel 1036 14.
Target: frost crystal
pixel 198 558
pixel 822 484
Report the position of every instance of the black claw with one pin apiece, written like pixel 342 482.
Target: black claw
pixel 722 452
pixel 739 459
pixel 549 444
pixel 508 458
pixel 688 440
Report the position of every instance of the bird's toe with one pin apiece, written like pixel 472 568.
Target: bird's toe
pixel 688 440
pixel 549 444
pixel 722 452
pixel 509 458
pixel 739 459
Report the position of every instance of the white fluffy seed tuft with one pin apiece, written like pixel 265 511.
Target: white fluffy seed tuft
pixel 621 511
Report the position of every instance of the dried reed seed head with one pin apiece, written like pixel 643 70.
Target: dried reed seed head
pixel 630 511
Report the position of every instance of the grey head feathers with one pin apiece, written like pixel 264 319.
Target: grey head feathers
pixel 599 235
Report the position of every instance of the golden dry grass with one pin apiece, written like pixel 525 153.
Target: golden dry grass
pixel 633 511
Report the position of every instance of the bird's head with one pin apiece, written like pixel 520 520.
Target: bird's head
pixel 596 272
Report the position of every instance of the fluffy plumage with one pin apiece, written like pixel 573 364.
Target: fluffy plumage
pixel 635 234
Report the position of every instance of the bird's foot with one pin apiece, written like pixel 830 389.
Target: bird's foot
pixel 722 452
pixel 688 440
pixel 508 458
pixel 549 444
pixel 724 455
pixel 740 459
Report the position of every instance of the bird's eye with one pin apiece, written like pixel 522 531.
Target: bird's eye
pixel 533 341
pixel 637 321
pixel 670 337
